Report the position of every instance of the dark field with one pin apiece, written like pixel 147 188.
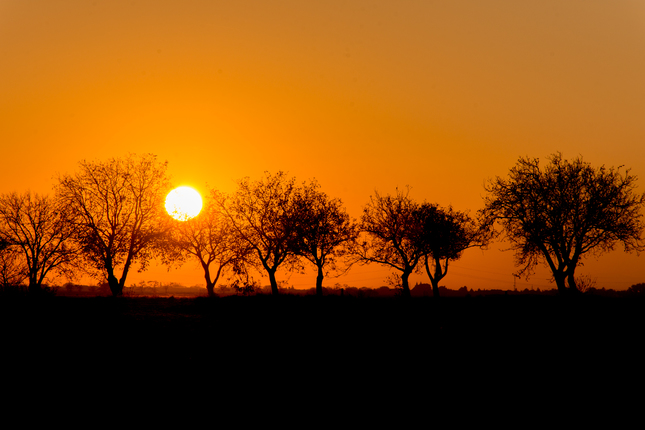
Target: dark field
pixel 296 332
pixel 302 353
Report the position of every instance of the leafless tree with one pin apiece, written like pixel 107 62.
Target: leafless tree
pixel 391 235
pixel 323 228
pixel 262 215
pixel 211 240
pixel 564 211
pixel 12 268
pixel 39 229
pixel 118 208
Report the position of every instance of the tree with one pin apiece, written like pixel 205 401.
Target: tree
pixel 445 234
pixel 38 229
pixel 322 228
pixel 393 235
pixel 563 212
pixel 210 238
pixel 12 269
pixel 637 288
pixel 118 208
pixel 262 215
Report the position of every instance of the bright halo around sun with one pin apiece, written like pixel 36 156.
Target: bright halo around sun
pixel 183 203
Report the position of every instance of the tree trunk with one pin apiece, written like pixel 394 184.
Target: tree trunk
pixel 274 283
pixel 435 287
pixel 571 280
pixel 438 275
pixel 319 281
pixel 405 286
pixel 34 286
pixel 210 288
pixel 115 285
pixel 559 282
pixel 210 285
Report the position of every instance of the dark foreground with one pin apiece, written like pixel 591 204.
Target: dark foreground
pixel 234 332
pixel 301 349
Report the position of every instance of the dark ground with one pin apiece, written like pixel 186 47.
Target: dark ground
pixel 302 349
pixel 295 331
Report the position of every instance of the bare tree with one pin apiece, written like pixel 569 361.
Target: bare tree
pixel 561 213
pixel 118 207
pixel 211 240
pixel 40 230
pixel 262 215
pixel 445 234
pixel 12 267
pixel 392 235
pixel 322 228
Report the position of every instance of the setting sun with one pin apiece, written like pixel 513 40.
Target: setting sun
pixel 183 203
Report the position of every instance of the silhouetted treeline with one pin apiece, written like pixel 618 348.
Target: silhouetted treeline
pixel 108 218
pixel 157 289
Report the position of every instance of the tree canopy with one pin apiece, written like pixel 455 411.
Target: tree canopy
pixel 322 229
pixel 118 210
pixel 391 233
pixel 262 215
pixel 561 212
pixel 35 230
pixel 444 234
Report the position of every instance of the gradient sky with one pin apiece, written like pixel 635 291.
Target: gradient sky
pixel 362 95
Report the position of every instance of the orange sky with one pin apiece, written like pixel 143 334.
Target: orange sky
pixel 361 95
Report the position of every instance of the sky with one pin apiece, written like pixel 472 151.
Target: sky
pixel 364 96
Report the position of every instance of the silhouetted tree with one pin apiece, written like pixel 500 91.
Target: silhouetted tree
pixel 564 211
pixel 637 288
pixel 39 229
pixel 118 207
pixel 12 269
pixel 392 235
pixel 210 238
pixel 322 228
pixel 444 235
pixel 262 215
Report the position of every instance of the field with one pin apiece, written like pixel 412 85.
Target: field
pixel 294 331
pixel 294 351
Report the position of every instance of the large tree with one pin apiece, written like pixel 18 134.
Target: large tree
pixel 563 211
pixel 262 215
pixel 211 240
pixel 118 207
pixel 39 229
pixel 444 235
pixel 323 227
pixel 392 235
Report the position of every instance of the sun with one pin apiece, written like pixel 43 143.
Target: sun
pixel 183 203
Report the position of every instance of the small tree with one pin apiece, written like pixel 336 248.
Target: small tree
pixel 563 212
pixel 445 234
pixel 322 228
pixel 211 240
pixel 118 209
pixel 40 230
pixel 391 235
pixel 262 215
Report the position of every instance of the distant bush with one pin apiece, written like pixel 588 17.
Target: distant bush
pixel 585 283
pixel 11 291
pixel 637 288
